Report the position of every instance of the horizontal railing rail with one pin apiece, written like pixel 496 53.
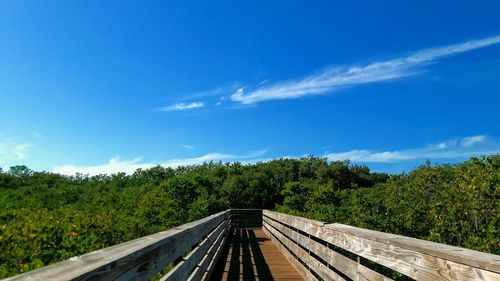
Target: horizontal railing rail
pixel 141 259
pixel 321 251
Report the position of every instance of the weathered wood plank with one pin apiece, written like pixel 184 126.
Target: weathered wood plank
pixel 138 259
pixel 409 261
pixel 202 266
pixel 301 269
pixel 316 266
pixel 415 264
pixel 211 266
pixel 251 255
pixel 460 255
pixel 287 219
pixel 184 268
pixel 350 268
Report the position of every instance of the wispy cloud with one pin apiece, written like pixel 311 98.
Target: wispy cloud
pixel 182 106
pixel 470 141
pixel 213 97
pixel 225 89
pixel 450 149
pixel 334 78
pixel 13 151
pixel 187 146
pixel 20 150
pixel 116 164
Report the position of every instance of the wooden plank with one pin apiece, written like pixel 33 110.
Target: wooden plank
pixel 199 271
pixel 348 267
pixel 460 255
pixel 194 233
pixel 366 274
pixel 301 269
pixel 265 254
pixel 251 255
pixel 316 266
pixel 419 266
pixel 290 218
pixel 215 258
pixel 184 268
pixel 138 259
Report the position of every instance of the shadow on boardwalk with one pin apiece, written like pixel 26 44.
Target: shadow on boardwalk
pixel 246 257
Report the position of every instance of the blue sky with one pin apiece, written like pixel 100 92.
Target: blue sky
pixel 107 86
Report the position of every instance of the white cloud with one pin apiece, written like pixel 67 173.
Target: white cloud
pixel 187 146
pixel 450 149
pixel 116 164
pixel 219 91
pixel 368 156
pixel 470 141
pixel 13 151
pixel 334 78
pixel 20 150
pixel 441 145
pixel 182 106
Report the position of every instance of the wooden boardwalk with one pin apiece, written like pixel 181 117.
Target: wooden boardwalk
pixel 250 255
pixel 233 245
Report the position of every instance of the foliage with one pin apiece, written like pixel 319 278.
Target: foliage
pixel 46 217
pixel 452 204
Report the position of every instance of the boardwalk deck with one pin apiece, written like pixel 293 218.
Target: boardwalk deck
pixel 250 255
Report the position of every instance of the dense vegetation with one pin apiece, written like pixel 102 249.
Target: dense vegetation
pixel 47 217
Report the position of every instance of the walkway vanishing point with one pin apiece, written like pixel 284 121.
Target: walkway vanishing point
pixel 241 244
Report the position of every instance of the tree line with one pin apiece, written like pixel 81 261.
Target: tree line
pixel 47 217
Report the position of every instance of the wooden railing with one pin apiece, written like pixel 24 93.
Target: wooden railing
pixel 246 218
pixel 317 250
pixel 320 251
pixel 192 248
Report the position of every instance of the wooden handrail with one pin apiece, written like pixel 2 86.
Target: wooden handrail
pixel 317 250
pixel 142 258
pixel 335 251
